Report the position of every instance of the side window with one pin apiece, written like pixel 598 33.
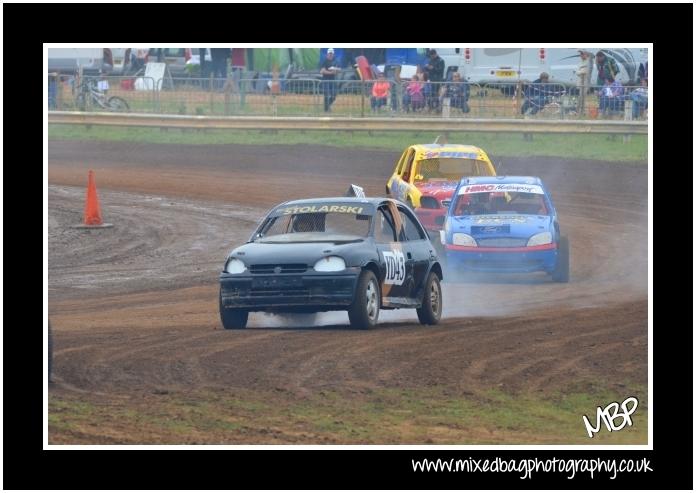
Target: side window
pixel 401 162
pixel 411 230
pixel 384 227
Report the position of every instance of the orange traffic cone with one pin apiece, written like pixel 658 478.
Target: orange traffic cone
pixel 93 217
pixel 92 212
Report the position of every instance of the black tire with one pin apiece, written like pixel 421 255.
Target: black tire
pixel 562 271
pixel 118 104
pixel 50 350
pixel 233 319
pixel 431 308
pixel 364 311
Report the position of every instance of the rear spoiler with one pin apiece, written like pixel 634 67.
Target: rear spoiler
pixel 355 191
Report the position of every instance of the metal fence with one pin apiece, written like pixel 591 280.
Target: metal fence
pixel 342 98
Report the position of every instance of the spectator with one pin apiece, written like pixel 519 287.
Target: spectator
pixel 429 93
pixel 536 95
pixel 639 96
pixel 52 89
pixel 138 57
pixel 206 62
pixel 611 97
pixel 458 92
pixel 606 67
pixel 219 58
pixel 413 97
pixel 584 73
pixel 435 67
pixel 328 71
pixel 392 74
pixel 380 92
pixel 103 82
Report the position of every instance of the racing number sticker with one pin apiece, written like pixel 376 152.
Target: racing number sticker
pixel 396 267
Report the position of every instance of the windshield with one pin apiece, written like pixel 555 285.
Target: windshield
pixel 316 223
pixel 449 169
pixel 478 203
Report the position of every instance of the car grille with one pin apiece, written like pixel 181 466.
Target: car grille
pixel 278 293
pixel 503 264
pixel 502 242
pixel 282 268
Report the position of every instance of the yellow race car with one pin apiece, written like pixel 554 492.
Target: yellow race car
pixel 427 174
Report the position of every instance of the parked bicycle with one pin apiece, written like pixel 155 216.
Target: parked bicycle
pixel 551 102
pixel 562 104
pixel 89 94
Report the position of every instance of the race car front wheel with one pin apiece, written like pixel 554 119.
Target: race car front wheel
pixel 561 273
pixel 431 307
pixel 364 311
pixel 233 319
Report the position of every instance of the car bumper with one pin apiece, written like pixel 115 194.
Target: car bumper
pixel 321 291
pixel 521 259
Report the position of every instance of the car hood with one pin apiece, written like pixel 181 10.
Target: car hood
pixel 293 253
pixel 440 190
pixel 500 225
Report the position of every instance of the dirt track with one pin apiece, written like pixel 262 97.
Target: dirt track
pixel 134 308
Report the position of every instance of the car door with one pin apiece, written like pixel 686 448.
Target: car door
pixel 396 277
pixel 400 185
pixel 407 171
pixel 417 247
pixel 393 183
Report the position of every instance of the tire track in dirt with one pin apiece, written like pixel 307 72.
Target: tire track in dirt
pixel 136 307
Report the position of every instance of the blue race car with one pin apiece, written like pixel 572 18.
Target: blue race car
pixel 504 224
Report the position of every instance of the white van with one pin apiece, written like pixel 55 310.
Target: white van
pixel 508 65
pixel 67 60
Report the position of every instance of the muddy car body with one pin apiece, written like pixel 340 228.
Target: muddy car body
pixel 315 255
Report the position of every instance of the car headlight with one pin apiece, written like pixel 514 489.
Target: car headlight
pixel 540 239
pixel 330 264
pixel 463 240
pixel 234 266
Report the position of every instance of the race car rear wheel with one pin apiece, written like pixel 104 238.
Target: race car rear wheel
pixel 233 318
pixel 364 311
pixel 431 308
pixel 561 272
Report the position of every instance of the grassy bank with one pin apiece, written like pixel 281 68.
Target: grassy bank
pixel 382 416
pixel 599 147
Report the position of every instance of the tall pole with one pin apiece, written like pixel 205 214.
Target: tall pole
pixel 518 89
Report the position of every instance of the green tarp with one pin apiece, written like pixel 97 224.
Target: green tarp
pixel 263 59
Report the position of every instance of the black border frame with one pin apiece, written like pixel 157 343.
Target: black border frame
pixel 26 465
